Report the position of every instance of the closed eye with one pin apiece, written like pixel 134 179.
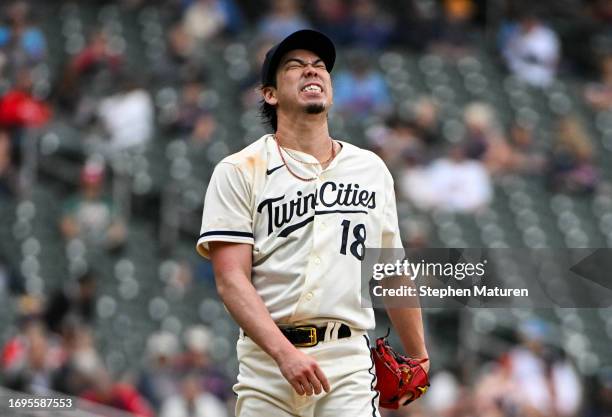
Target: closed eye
pixel 295 63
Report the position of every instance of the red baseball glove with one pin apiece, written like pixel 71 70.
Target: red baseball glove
pixel 397 376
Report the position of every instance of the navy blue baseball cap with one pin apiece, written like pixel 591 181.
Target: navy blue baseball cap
pixel 311 40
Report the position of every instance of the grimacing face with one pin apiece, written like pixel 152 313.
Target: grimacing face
pixel 302 84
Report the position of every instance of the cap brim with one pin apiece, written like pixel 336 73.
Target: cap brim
pixel 310 40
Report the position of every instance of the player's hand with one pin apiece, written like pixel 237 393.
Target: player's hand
pixel 425 366
pixel 303 373
pixel 408 396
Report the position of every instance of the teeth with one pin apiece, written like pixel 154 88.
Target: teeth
pixel 312 87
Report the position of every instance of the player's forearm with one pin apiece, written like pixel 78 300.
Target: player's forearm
pixel 249 311
pixel 408 323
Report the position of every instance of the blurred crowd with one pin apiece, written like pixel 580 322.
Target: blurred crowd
pixel 529 377
pixel 94 90
pixel 460 177
pixel 55 350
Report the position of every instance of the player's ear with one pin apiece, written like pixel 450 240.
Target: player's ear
pixel 269 95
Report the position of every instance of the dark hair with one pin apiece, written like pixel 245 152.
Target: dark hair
pixel 267 112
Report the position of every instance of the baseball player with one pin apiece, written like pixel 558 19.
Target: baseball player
pixel 285 224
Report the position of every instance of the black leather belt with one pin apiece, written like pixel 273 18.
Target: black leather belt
pixel 308 336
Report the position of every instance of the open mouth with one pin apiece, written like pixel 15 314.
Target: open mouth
pixel 312 88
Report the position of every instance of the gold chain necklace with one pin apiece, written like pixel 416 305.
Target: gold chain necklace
pixel 310 163
pixel 280 152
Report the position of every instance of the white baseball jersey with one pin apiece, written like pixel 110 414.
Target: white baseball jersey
pixel 308 237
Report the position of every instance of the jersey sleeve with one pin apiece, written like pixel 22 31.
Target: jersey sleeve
pixel 391 241
pixel 390 228
pixel 227 214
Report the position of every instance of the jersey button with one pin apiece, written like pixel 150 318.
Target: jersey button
pixel 309 296
pixel 317 261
